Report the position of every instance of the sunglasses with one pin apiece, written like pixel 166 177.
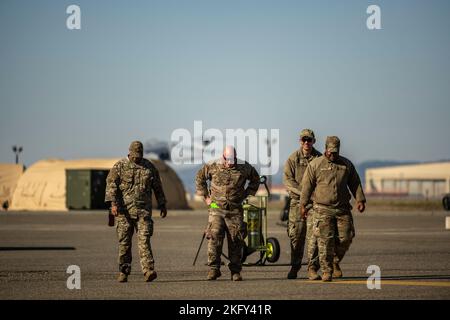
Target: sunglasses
pixel 307 139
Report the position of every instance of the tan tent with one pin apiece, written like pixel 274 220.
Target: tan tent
pixel 9 176
pixel 43 185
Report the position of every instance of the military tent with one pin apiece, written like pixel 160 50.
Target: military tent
pixel 43 186
pixel 9 176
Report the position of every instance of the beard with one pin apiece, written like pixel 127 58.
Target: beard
pixel 136 159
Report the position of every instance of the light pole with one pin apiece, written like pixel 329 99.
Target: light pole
pixel 17 150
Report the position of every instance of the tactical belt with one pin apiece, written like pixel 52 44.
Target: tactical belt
pixel 327 210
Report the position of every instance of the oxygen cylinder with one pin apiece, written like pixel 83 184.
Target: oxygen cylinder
pixel 254 227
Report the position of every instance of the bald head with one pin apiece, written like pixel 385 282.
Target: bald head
pixel 229 152
pixel 229 156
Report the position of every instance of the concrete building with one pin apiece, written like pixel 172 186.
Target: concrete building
pixel 430 180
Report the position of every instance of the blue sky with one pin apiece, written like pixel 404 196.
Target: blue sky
pixel 140 69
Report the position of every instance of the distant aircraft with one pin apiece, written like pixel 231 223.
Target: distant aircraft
pixel 162 149
pixel 159 148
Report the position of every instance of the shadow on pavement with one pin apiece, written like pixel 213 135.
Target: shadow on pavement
pixel 35 248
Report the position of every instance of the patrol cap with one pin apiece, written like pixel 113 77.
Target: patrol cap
pixel 136 149
pixel 307 133
pixel 332 144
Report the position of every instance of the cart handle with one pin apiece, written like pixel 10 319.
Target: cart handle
pixel 263 180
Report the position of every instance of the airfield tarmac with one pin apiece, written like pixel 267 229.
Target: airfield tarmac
pixel 412 250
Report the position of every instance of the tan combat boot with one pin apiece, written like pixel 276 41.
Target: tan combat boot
pixel 213 274
pixel 337 272
pixel 122 277
pixel 150 276
pixel 313 275
pixel 326 277
pixel 236 277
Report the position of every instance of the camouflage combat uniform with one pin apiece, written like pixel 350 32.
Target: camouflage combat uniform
pixel 333 222
pixel 227 190
pixel 130 186
pixel 298 229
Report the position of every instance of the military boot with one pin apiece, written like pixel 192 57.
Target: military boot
pixel 326 277
pixel 313 275
pixel 122 277
pixel 236 276
pixel 293 272
pixel 213 274
pixel 150 276
pixel 337 272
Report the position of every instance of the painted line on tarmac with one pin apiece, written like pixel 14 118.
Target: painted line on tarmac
pixel 393 282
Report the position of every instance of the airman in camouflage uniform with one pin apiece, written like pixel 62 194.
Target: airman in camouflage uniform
pixel 227 177
pixel 129 188
pixel 328 180
pixel 298 228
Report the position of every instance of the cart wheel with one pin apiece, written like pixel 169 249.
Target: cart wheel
pixel 446 202
pixel 273 250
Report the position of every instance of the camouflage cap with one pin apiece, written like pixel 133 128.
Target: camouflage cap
pixel 332 144
pixel 307 133
pixel 136 148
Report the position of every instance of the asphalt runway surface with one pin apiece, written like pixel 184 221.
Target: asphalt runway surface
pixel 412 250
